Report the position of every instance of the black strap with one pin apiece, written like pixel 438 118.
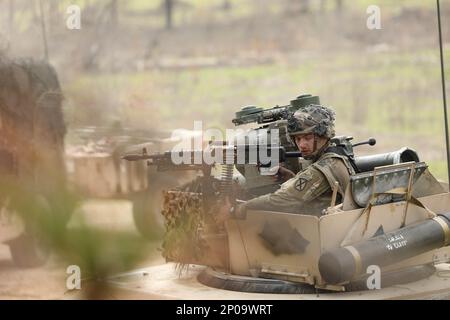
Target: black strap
pixel 343 152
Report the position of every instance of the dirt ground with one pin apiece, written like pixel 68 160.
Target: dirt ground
pixel 49 281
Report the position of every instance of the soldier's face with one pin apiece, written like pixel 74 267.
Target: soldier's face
pixel 305 143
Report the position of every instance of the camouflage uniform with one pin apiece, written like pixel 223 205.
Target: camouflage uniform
pixel 310 191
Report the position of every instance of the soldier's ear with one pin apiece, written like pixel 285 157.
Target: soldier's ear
pixel 322 140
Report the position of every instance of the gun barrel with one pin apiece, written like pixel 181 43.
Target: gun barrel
pixel 293 154
pixel 263 155
pixel 135 157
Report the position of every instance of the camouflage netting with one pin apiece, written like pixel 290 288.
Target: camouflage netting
pixel 184 221
pixel 32 127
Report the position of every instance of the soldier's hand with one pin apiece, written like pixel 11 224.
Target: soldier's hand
pixel 283 174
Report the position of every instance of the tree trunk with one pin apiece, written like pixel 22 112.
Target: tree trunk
pixel 339 5
pixel 226 5
pixel 169 11
pixel 114 13
pixel 305 6
pixel 53 16
pixel 11 11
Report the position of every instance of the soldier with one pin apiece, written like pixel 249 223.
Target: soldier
pixel 310 190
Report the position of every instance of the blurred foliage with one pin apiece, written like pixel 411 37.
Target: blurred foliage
pixel 99 253
pixel 184 220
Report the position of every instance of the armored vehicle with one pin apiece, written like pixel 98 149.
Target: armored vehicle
pixel 389 231
pixel 95 170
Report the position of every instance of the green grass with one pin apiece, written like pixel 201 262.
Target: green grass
pixel 388 93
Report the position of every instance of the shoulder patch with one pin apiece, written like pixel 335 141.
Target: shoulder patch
pixel 300 184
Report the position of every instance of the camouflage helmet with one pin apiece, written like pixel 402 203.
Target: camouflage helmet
pixel 313 118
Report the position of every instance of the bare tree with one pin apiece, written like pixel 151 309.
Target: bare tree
pixel 114 9
pixel 338 7
pixel 168 4
pixel 53 15
pixel 11 11
pixel 226 5
pixel 43 29
pixel 298 6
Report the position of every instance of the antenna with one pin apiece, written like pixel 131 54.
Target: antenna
pixel 443 90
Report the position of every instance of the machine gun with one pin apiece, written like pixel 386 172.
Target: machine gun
pixel 260 155
pixel 229 156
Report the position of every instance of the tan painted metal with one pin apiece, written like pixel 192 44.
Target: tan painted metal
pixel 445 228
pixel 163 282
pixel 249 254
pixel 357 258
